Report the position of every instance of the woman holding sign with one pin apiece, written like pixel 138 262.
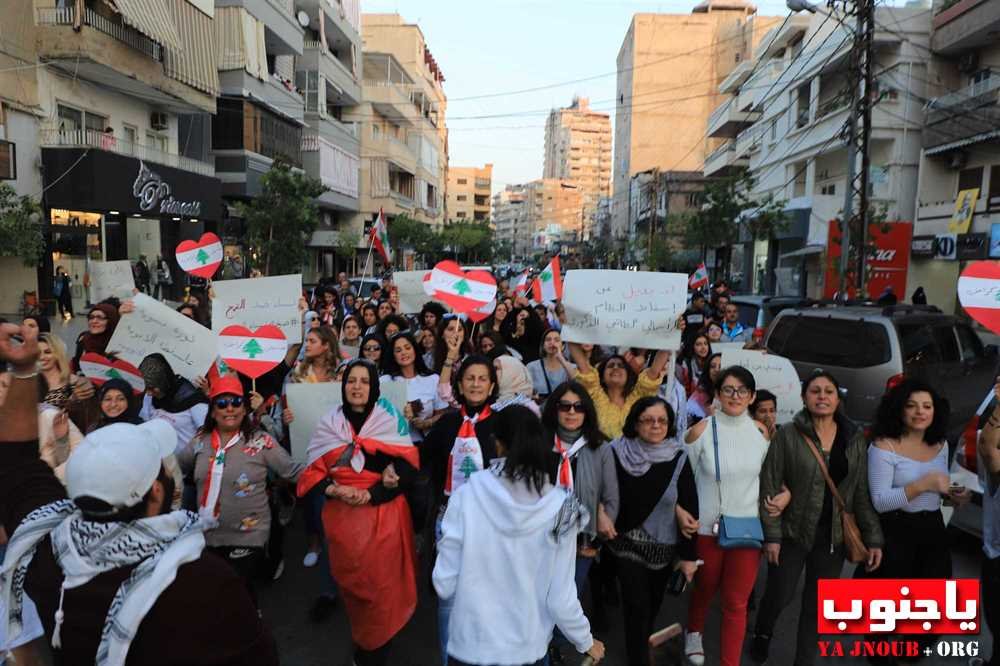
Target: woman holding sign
pixel 361 458
pixel 101 322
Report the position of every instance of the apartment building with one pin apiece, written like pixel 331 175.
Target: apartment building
pixel 655 195
pixel 121 136
pixel 511 225
pixel 401 121
pixel 469 192
pixel 578 150
pixel 960 149
pixel 783 119
pixel 329 74
pixel 554 211
pixel 668 87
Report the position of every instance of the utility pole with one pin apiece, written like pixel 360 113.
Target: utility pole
pixel 654 210
pixel 858 131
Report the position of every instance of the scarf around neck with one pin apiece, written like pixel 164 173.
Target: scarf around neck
pixel 86 549
pixel 466 456
pixel 636 456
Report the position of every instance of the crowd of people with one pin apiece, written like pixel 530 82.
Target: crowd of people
pixel 522 470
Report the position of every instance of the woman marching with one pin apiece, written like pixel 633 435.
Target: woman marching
pixel 362 459
pixel 551 369
pixel 693 361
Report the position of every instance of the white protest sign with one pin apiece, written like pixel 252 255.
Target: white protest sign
pixel 311 402
pixel 773 373
pixel 624 308
pixel 258 301
pixel 110 278
pixel 410 286
pixel 723 347
pixel 152 327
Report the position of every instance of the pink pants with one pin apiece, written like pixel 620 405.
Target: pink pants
pixel 732 572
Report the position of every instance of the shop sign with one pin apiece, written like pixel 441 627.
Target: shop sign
pixel 922 246
pixel 154 195
pixel 886 264
pixel 994 251
pixel 971 246
pixel 946 247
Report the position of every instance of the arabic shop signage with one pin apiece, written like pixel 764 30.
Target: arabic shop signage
pixel 154 195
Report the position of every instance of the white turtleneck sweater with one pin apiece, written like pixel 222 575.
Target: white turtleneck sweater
pixel 741 453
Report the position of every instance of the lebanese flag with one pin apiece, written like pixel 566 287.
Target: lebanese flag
pixel 252 352
pixel 699 278
pixel 547 287
pixel 463 291
pixel 380 237
pixel 99 369
pixel 521 286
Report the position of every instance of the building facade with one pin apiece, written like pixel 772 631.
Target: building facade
pixel 554 210
pixel 469 193
pixel 578 150
pixel 511 225
pixel 961 150
pixel 668 88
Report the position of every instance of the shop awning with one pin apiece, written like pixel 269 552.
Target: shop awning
pixel 151 18
pixel 194 63
pixel 803 251
pixel 968 141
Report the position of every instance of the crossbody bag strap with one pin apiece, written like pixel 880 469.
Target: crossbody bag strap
pixel 718 474
pixel 826 474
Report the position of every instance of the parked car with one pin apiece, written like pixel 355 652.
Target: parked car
pixel 757 312
pixel 870 349
pixel 363 287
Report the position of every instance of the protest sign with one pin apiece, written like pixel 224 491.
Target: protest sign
pixel 201 257
pixel 152 327
pixel 110 278
pixel 410 287
pixel 723 347
pixel 311 402
pixel 624 308
pixel 979 293
pixel 258 301
pixel 773 373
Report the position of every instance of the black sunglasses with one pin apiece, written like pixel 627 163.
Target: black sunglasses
pixel 371 348
pixel 223 403
pixel 567 407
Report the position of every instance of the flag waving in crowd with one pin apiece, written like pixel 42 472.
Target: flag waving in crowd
pixel 699 278
pixel 521 285
pixel 548 285
pixel 380 237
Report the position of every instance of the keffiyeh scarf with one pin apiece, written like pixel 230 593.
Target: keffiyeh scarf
pixel 85 549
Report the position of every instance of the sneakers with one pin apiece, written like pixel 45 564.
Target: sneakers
pixel 693 649
pixel 759 647
pixel 280 570
pixel 311 558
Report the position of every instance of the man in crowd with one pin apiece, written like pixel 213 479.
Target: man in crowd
pixel 696 316
pixel 122 551
pixel 732 329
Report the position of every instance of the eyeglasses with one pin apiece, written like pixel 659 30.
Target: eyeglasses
pixel 371 348
pixel 224 403
pixel 568 407
pixel 730 391
pixel 616 364
pixel 654 421
pixel 96 317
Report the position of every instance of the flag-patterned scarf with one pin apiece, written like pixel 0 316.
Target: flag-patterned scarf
pixel 466 455
pixel 566 454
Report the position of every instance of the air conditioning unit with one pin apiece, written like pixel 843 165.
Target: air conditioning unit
pixel 969 62
pixel 158 120
pixel 957 160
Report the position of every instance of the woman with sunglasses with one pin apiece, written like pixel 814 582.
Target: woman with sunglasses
pixel 362 460
pixel 726 451
pixel 102 319
pixel 615 387
pixel 649 477
pixel 701 403
pixel 231 460
pixel 371 348
pixel 551 369
pixel 460 444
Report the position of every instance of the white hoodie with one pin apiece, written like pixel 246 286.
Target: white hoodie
pixel 511 580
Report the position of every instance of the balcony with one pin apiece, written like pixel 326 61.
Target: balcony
pixel 483 183
pixel 272 93
pixel 965 25
pixel 969 115
pixel 107 52
pixel 390 90
pixel 335 167
pixel 737 77
pixel 283 34
pixel 727 120
pixel 344 15
pixel 317 58
pixel 93 139
pixel 343 134
pixel 394 150
pixel 724 160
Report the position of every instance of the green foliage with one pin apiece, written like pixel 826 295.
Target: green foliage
pixel 20 227
pixel 404 231
pixel 282 218
pixel 468 241
pixel 347 243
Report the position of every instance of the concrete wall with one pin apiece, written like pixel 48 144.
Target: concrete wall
pixel 17 278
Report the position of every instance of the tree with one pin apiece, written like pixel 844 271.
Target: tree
pixel 20 227
pixel 347 244
pixel 282 218
pixel 404 231
pixel 469 241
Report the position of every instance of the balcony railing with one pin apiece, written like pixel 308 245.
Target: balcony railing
pixel 123 33
pixel 93 139
pixel 309 45
pixel 968 93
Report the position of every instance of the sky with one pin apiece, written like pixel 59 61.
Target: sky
pixel 485 47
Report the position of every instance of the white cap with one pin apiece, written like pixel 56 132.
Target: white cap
pixel 118 463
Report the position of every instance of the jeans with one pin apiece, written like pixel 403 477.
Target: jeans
pixel 327 585
pixel 819 562
pixel 642 596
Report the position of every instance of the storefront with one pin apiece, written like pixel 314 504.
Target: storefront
pixel 102 206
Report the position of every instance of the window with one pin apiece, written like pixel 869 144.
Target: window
pixel 463 181
pixel 972 346
pixel 95 122
pixel 156 141
pixel 462 197
pixel 70 120
pixel 129 134
pixel 842 343
pixel 995 181
pixel 460 214
pixel 970 179
pixel 828 189
pixel 376 132
pixel 924 345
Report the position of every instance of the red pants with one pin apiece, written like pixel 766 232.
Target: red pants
pixel 734 571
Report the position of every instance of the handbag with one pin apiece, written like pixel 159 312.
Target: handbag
pixel 853 543
pixel 735 531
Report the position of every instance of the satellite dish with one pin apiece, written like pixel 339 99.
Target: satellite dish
pixel 303 19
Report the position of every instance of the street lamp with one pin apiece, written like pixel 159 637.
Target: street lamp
pixel 800 6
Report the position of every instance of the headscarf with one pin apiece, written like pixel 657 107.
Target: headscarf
pixel 131 413
pixel 514 377
pixel 636 456
pixel 97 343
pixel 177 393
pixel 357 419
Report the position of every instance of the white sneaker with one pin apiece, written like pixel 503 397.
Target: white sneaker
pixel 310 559
pixel 693 649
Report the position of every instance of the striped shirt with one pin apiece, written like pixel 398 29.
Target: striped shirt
pixel 889 473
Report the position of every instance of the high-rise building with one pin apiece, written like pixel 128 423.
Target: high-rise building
pixel 404 154
pixel 578 150
pixel 511 226
pixel 469 192
pixel 554 210
pixel 668 88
